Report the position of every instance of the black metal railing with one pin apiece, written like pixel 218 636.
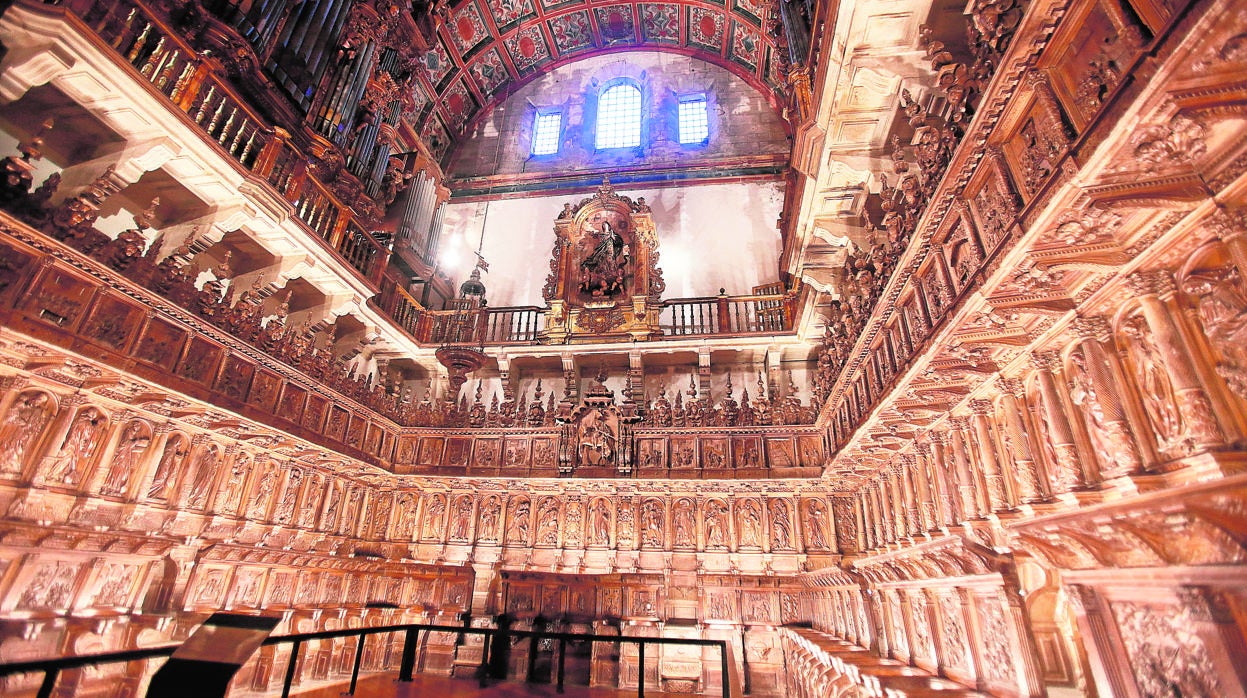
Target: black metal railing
pixel 52 668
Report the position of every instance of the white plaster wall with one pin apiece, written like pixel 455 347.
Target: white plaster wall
pixel 709 237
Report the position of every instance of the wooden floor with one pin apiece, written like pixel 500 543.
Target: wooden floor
pixel 387 686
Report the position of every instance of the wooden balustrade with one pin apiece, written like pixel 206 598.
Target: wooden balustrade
pixel 727 315
pixel 188 80
pixel 723 315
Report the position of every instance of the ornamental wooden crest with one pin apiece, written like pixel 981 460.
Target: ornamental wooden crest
pixel 604 282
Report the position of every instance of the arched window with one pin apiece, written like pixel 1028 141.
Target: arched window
pixel 619 117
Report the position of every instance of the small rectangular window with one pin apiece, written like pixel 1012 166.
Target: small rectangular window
pixel 546 133
pixel 694 125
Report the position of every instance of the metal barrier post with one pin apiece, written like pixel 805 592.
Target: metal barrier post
pixel 411 640
pixel 359 657
pixel 49 682
pixel 294 659
pixel 640 682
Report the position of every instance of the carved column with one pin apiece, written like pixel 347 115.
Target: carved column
pixel 943 483
pixel 1031 478
pixel 931 490
pixel 1153 290
pixel 996 498
pixel 966 502
pixel 1110 665
pixel 879 499
pixel 1068 473
pixel 909 491
pixel 1125 458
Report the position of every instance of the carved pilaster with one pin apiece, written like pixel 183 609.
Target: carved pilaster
pixel 1068 472
pixel 1103 390
pixel 981 411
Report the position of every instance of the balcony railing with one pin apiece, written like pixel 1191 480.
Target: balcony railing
pixel 685 317
pixel 187 80
pixel 729 678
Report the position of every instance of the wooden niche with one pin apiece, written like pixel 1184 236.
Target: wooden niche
pixel 604 283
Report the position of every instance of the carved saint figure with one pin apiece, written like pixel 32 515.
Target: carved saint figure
pixel 463 518
pixel 489 519
pixel 22 426
pixel 548 522
pixel 406 525
pixel 170 459
pixel 602 271
pixel 684 525
pixel 78 448
pixel 781 525
pixel 311 504
pixel 231 492
pixel 816 524
pixel 517 528
pixel 331 508
pixel 204 466
pixel 1154 385
pixel 134 441
pixel 716 536
pixel 259 498
pixel 597 439
pixel 651 524
pixel 601 520
pixel 433 518
pixel 1084 397
pixel 750 521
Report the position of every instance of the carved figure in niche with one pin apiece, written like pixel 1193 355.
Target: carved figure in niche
pixel 517 529
pixel 1058 477
pixel 231 492
pixel 1084 397
pixel 259 499
pixel 816 524
pixel 22 426
pixel 406 526
pixel 598 436
pixel 651 524
pixel 79 445
pixel 548 522
pixel 134 441
pixel 716 525
pixel 489 519
pixel 170 459
pixel 750 521
pixel 311 503
pixel 683 524
pixel 331 509
pixel 712 455
pixel 1223 315
pixel 204 467
pixel 1157 392
pixel 601 520
pixel 781 525
pixel 285 509
pixel 433 517
pixel 602 271
pixel 463 518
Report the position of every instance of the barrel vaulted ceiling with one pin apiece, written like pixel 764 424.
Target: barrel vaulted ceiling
pixel 484 48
